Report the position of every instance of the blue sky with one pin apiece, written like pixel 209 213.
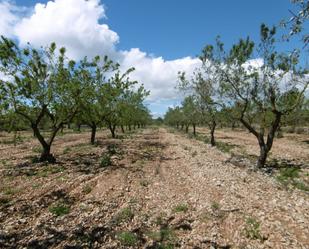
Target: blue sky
pixel 179 28
pixel 173 30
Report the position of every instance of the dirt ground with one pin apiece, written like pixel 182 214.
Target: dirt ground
pixel 160 189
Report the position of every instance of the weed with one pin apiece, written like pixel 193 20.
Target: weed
pixel 165 237
pixel 87 189
pixel 106 161
pixel 67 150
pixel 288 176
pixel 181 208
pixel 37 149
pixel 252 229
pixel 215 206
pixel 127 238
pixel 59 209
pixel 10 191
pixel 125 214
pixel 112 149
pixel 225 147
pixel 301 185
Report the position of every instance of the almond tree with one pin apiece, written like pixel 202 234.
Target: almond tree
pixel 95 96
pixel 39 84
pixel 204 86
pixel 262 88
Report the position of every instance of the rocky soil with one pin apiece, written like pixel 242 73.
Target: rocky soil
pixel 155 188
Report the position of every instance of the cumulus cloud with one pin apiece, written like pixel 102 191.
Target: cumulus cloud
pixel 158 75
pixel 78 25
pixel 10 16
pixel 74 24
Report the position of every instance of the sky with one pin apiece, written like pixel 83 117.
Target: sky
pixel 157 37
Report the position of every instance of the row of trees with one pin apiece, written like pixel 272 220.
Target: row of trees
pixel 231 85
pixel 43 89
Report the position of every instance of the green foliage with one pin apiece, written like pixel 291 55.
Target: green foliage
pixel 165 238
pixel 225 147
pixel 182 207
pixel 252 229
pixel 59 209
pixel 125 214
pixel 215 206
pixel 290 176
pixel 105 161
pixel 87 189
pixel 127 238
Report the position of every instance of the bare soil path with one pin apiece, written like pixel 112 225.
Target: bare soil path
pixel 163 190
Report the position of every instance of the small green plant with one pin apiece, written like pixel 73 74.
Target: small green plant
pixel 252 229
pixel 127 238
pixel 37 149
pixel 87 189
pixel 215 206
pixel 289 176
pixel 183 207
pixel 165 238
pixel 10 191
pixel 112 149
pixel 59 209
pixel 67 150
pixel 125 214
pixel 225 147
pixel 301 185
pixel 106 161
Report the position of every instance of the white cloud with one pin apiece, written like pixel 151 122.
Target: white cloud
pixel 9 17
pixel 158 76
pixel 70 23
pixel 77 25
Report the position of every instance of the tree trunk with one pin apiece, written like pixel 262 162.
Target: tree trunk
pixel 93 133
pixel 130 128
pixel 266 147
pixel 187 128
pixel 122 129
pixel 112 129
pixel 194 129
pixel 46 156
pixel 79 127
pixel 233 125
pixel 212 133
pixel 262 157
